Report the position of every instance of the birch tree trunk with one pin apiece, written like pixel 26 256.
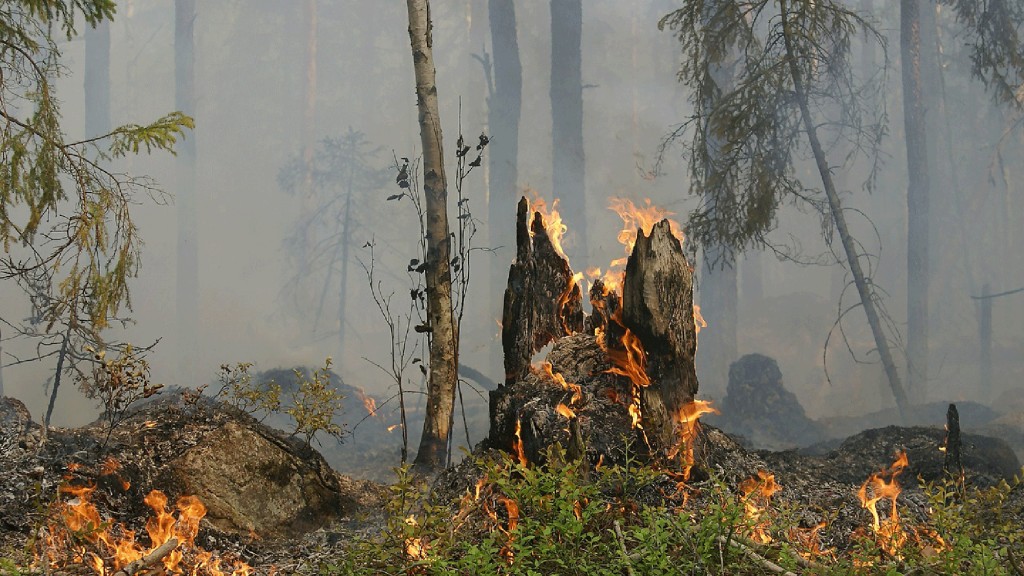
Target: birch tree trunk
pixel 443 339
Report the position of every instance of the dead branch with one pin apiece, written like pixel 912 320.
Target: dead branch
pixel 750 553
pixel 149 559
pixel 622 548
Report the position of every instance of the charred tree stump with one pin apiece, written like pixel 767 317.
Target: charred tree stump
pixel 625 384
pixel 657 306
pixel 952 462
pixel 542 301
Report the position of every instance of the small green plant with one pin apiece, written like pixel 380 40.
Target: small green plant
pixel 117 384
pixel 315 404
pixel 8 568
pixel 238 389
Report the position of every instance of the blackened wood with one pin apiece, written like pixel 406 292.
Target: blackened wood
pixel 657 306
pixel 542 302
pixel 516 337
pixel 952 463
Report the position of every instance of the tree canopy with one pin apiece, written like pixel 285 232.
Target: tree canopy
pixel 65 222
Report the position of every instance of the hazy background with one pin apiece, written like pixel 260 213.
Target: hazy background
pixel 250 73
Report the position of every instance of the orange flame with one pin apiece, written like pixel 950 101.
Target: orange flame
pixel 639 218
pixel 757 493
pixel 687 420
pixel 517 444
pixel 879 485
pixel 79 520
pixel 808 543
pixel 545 369
pixel 565 411
pixel 553 224
pixel 368 402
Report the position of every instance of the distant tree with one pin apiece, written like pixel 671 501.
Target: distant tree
pixel 567 157
pixel 444 340
pixel 717 283
pixel 186 198
pixel 336 176
pixel 794 68
pixel 504 107
pixel 66 227
pixel 994 32
pixel 916 145
pixel 792 58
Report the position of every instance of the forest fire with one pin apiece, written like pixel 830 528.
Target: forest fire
pixel 891 536
pixel 77 534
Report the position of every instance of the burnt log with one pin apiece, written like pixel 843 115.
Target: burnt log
pixel 657 306
pixel 542 301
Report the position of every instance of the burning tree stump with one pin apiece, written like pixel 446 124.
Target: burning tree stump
pixel 657 306
pixel 542 302
pixel 625 375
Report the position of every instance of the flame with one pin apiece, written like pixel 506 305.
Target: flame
pixel 757 493
pixel 545 369
pixel 638 217
pixel 698 320
pixel 882 484
pixel 552 221
pixel 78 521
pixel 517 444
pixel 808 543
pixel 687 420
pixel 565 411
pixel 392 427
pixel 368 402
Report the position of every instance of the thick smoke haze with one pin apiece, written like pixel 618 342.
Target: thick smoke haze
pixel 250 82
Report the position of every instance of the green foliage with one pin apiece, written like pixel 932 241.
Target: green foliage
pixel 9 568
pixel 994 33
pixel 239 390
pixel 745 134
pixel 68 212
pixel 315 404
pixel 978 526
pixel 552 520
pixel 117 383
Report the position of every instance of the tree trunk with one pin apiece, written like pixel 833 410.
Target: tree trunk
pixel 718 303
pixel 308 200
pixel 97 80
pixel 503 112
pixel 864 289
pixel 188 241
pixel 443 339
pixel 917 200
pixel 567 119
pixel 657 306
pixel 718 282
